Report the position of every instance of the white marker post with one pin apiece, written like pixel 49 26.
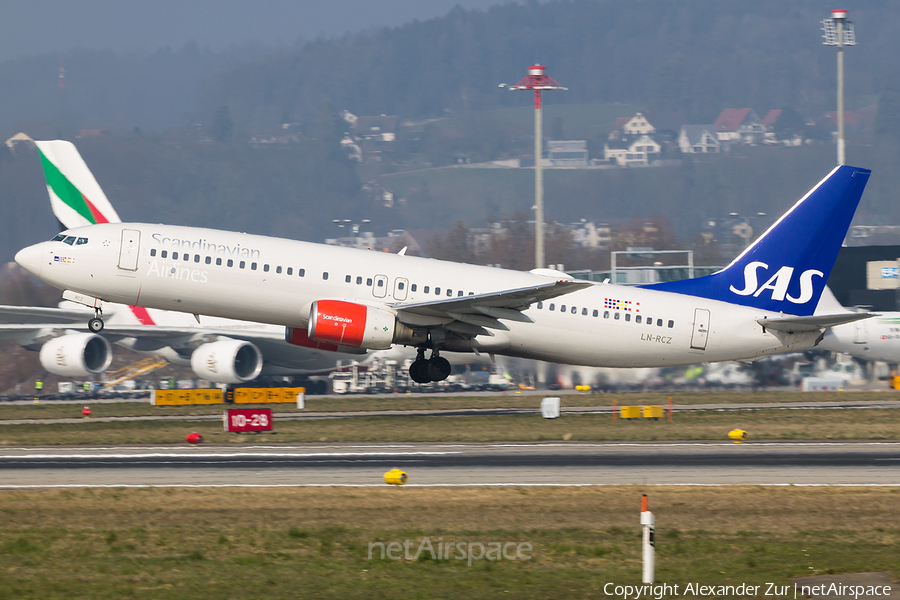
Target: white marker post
pixel 301 399
pixel 648 550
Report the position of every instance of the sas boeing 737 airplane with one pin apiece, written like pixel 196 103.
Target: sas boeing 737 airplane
pixel 344 299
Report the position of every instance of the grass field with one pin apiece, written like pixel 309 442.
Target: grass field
pixel 432 402
pixel 313 543
pixel 778 424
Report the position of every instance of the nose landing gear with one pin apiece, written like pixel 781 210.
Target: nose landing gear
pixel 436 368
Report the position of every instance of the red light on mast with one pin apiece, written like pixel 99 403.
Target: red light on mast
pixel 537 80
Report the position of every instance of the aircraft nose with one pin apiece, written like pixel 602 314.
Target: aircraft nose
pixel 31 259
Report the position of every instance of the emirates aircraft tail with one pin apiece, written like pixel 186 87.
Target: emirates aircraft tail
pixel 75 196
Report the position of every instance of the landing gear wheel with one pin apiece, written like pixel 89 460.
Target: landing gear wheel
pixel 418 371
pixel 95 325
pixel 438 368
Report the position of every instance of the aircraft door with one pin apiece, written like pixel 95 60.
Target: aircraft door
pixel 379 286
pixel 701 329
pixel 400 288
pixel 128 253
pixel 860 332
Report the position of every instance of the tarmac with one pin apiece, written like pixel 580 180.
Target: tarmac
pixel 857 463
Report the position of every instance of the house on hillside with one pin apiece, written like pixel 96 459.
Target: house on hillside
pixel 20 138
pixel 637 151
pixel 739 125
pixel 567 153
pixel 698 139
pixel 626 127
pixel 642 138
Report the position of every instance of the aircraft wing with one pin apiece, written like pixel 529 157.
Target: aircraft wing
pixel 150 337
pixel 812 323
pixel 182 340
pixel 41 315
pixel 484 310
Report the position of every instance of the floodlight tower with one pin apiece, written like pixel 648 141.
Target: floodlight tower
pixel 838 31
pixel 536 80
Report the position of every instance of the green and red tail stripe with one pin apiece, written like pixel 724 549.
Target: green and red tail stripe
pixel 66 191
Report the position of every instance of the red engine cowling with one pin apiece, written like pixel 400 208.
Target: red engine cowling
pixel 350 324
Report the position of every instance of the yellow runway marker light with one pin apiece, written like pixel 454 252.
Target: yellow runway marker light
pixel 395 477
pixel 738 435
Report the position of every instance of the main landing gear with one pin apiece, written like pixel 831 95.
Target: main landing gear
pixel 96 324
pixel 436 368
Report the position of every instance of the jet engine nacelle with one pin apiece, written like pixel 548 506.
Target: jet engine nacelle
pixel 355 325
pixel 227 361
pixel 76 355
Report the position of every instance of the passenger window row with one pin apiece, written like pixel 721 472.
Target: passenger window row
pixel 186 256
pixel 616 315
pixel 437 291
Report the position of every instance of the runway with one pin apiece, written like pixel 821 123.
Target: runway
pixel 557 463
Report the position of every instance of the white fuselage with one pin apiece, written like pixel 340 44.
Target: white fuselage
pixel 872 339
pixel 275 281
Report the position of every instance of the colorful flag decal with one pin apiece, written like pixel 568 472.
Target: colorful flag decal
pixel 624 305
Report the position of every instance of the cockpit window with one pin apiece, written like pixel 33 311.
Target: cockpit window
pixel 59 237
pixel 81 241
pixel 70 240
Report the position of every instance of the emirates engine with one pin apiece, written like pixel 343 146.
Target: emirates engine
pixel 76 355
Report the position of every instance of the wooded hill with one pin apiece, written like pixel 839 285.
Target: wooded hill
pixel 696 57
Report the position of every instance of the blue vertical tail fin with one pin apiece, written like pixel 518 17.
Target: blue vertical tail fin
pixel 787 267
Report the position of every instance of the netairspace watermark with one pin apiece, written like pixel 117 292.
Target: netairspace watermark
pixel 664 590
pixel 447 550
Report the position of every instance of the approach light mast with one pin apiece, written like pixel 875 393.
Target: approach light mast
pixel 838 31
pixel 537 81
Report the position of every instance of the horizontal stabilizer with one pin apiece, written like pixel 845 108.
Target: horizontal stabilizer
pixel 797 324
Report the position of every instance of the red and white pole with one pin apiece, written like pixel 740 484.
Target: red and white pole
pixel 648 550
pixel 538 183
pixel 537 81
